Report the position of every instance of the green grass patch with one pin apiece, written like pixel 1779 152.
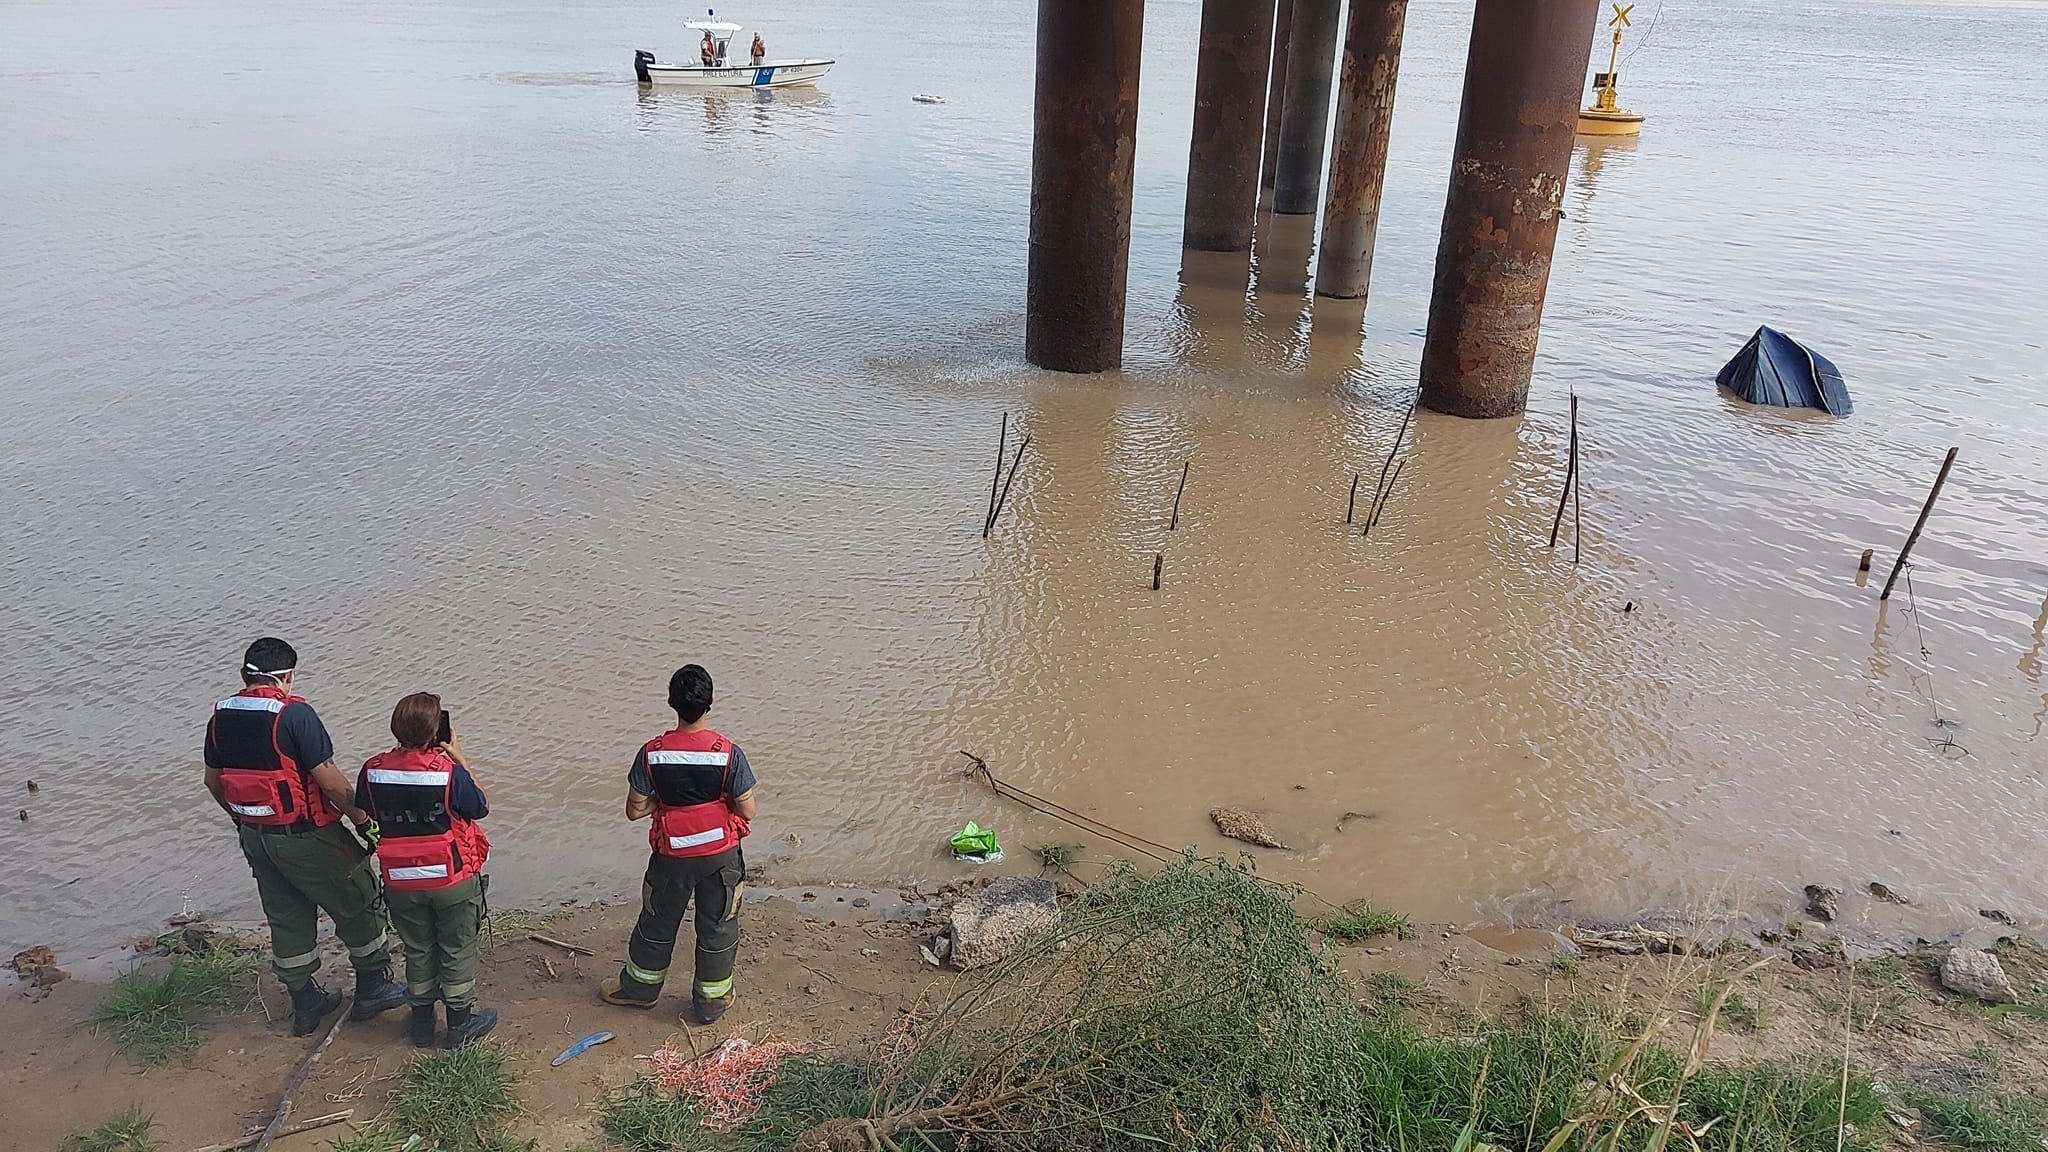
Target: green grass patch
pixel 1363 921
pixel 130 1131
pixel 460 1098
pixel 156 1016
pixel 641 1118
pixel 1880 971
pixel 1563 965
pixel 2010 1125
pixel 808 1091
pixel 1739 1012
pixel 514 923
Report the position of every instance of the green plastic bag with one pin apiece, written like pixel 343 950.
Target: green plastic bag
pixel 976 845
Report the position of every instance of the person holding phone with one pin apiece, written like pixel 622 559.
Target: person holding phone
pixel 432 852
pixel 699 790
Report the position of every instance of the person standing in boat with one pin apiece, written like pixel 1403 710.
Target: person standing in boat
pixel 709 50
pixel 760 50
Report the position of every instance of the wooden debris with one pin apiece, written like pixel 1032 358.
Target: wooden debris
pixel 579 949
pixel 289 1130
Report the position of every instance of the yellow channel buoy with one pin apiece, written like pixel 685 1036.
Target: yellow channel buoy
pixel 1605 118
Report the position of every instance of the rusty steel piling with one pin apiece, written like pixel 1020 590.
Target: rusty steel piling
pixel 1519 114
pixel 1365 111
pixel 1084 138
pixel 1276 90
pixel 1223 156
pixel 1305 116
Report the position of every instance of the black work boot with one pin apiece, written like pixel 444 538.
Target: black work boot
pixel 706 1010
pixel 423 1025
pixel 376 992
pixel 310 1005
pixel 628 992
pixel 466 1024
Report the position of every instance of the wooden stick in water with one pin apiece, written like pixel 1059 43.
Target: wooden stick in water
pixel 1158 562
pixel 1577 488
pixel 1175 525
pixel 1382 505
pixel 1863 565
pixel 1925 509
pixel 1012 479
pixel 1351 505
pixel 1380 486
pixel 1002 447
pixel 1570 473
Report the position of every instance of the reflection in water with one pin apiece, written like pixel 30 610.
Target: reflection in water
pixel 657 105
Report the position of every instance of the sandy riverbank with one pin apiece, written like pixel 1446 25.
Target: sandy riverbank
pixel 828 972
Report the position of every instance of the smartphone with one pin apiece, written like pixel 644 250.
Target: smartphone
pixel 446 733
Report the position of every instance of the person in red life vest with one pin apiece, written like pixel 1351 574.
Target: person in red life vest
pixel 699 790
pixel 432 852
pixel 760 50
pixel 270 766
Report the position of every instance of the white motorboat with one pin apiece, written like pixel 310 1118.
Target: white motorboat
pixel 714 68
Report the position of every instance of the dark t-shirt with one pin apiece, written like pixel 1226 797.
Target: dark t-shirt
pixel 300 734
pixel 738 782
pixel 465 799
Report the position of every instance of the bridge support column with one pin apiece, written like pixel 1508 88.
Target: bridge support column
pixel 1305 117
pixel 1223 159
pixel 1084 137
pixel 1365 111
pixel 1276 90
pixel 1515 127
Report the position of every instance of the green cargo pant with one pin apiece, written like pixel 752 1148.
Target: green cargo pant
pixel 439 927
pixel 672 883
pixel 299 875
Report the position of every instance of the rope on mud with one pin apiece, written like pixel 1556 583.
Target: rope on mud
pixel 1094 827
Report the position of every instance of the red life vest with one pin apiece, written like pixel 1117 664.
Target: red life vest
pixel 263 785
pixel 690 772
pixel 423 843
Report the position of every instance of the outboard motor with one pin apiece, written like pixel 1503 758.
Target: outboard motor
pixel 641 59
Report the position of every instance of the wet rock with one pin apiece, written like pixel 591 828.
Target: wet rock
pixel 1244 824
pixel 1887 895
pixel 989 924
pixel 1822 902
pixel 861 901
pixel 2000 916
pixel 198 937
pixel 1970 972
pixel 37 967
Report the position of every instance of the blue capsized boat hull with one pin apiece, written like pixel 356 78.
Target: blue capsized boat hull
pixel 1776 370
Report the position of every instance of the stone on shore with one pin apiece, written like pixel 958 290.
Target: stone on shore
pixel 989 924
pixel 1972 972
pixel 37 967
pixel 1822 902
pixel 1244 824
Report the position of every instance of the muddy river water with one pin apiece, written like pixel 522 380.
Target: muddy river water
pixel 420 336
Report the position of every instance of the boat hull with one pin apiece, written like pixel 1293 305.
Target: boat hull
pixel 768 74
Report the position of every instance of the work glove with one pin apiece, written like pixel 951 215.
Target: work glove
pixel 370 833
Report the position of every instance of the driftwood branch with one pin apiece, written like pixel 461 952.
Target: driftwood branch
pixel 298 1081
pixel 576 948
pixel 256 1134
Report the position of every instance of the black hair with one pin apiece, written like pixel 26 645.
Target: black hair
pixel 689 692
pixel 266 658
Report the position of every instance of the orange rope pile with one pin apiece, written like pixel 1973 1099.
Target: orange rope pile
pixel 729 1083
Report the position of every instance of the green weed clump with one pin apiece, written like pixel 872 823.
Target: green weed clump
pixel 157 1016
pixel 461 1098
pixel 1194 1009
pixel 1058 857
pixel 1363 921
pixel 129 1131
pixel 2010 1125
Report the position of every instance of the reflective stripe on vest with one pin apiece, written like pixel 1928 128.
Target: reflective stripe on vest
pixel 400 776
pixel 692 841
pixel 422 872
pixel 251 704
pixel 252 809
pixel 713 759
